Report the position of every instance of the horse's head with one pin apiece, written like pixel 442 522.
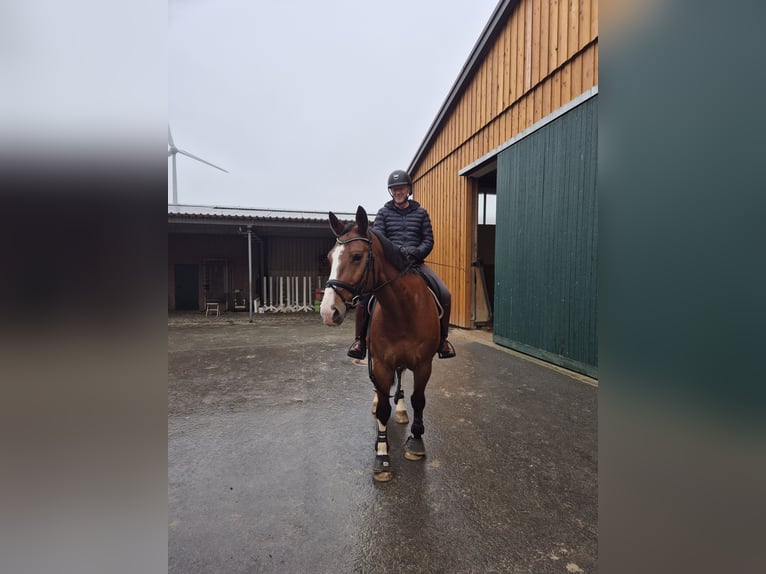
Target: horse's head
pixel 350 272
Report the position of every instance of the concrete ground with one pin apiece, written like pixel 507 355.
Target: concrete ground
pixel 270 453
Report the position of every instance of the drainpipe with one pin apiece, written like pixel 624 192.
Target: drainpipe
pixel 250 270
pixel 262 274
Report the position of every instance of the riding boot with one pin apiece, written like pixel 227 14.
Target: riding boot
pixel 358 348
pixel 446 350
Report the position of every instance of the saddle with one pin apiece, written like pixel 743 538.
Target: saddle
pixel 433 287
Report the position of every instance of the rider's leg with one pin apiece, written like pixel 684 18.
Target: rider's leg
pixel 446 350
pixel 358 348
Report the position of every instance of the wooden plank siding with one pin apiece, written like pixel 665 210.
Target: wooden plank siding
pixel 542 55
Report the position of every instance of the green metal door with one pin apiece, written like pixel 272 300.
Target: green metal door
pixel 546 242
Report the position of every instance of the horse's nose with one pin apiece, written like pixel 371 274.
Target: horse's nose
pixel 332 315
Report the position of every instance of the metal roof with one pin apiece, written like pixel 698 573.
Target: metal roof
pixel 176 211
pixel 222 220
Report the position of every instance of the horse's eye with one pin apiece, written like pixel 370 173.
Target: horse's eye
pixel 356 258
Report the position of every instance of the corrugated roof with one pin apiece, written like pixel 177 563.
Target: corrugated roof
pixel 222 212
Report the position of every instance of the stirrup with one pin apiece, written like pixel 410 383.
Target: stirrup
pixel 446 350
pixel 357 350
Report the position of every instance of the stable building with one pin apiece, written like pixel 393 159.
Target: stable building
pixel 507 172
pixel 218 255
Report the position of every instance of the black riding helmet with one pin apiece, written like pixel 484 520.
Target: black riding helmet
pixel 399 177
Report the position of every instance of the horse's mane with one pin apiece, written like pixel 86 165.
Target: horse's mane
pixel 391 252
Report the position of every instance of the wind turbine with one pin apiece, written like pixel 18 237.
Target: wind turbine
pixel 172 152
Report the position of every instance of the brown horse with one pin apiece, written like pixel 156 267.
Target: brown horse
pixel 404 323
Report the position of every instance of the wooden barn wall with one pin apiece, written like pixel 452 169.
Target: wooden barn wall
pixel 297 256
pixel 545 55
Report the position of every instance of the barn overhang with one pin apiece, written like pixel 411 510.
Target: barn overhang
pixel 199 219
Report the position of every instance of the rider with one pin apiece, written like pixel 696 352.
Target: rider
pixel 407 225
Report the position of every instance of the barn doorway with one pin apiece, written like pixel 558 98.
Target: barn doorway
pixel 186 277
pixel 216 286
pixel 483 263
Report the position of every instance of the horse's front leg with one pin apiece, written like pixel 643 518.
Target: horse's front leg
pixel 400 414
pixel 414 448
pixel 381 470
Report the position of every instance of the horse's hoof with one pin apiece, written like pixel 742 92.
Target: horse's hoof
pixel 381 470
pixel 414 449
pixel 401 417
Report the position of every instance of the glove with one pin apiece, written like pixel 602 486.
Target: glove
pixel 408 252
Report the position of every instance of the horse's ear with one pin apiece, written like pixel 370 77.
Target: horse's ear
pixel 361 220
pixel 335 225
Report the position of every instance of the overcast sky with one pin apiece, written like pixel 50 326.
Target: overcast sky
pixel 309 105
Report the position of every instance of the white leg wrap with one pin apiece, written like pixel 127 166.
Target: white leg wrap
pixel 382 446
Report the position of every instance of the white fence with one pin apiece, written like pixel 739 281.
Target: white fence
pixel 291 294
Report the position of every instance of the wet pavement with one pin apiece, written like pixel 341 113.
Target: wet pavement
pixel 270 453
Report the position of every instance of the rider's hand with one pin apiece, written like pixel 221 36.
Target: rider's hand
pixel 408 252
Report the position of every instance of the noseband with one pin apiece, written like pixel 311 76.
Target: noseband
pixel 355 290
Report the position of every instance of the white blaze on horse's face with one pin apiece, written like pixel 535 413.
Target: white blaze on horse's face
pixel 332 313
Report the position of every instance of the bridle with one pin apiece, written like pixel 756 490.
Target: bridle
pixel 356 290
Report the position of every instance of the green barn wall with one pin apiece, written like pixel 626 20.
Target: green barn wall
pixel 546 242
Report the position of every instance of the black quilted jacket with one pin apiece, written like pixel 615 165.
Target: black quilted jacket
pixel 409 227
